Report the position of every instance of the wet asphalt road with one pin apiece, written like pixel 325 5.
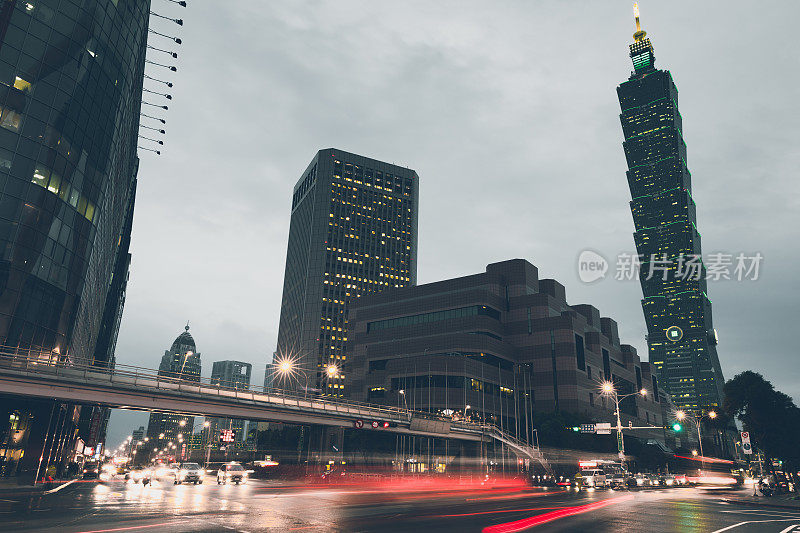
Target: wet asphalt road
pixel 262 506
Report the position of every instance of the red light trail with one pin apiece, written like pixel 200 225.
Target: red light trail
pixel 525 523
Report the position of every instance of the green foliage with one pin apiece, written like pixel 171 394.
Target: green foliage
pixel 770 416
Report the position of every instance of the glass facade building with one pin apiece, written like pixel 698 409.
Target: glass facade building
pixel 353 231
pixel 181 361
pixel 71 74
pixel 232 375
pixel 680 336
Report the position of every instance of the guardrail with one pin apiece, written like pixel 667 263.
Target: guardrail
pixel 56 365
pixel 53 364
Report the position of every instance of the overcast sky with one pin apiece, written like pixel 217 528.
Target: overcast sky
pixel 508 113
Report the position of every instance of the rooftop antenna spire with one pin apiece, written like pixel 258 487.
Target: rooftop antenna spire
pixel 640 34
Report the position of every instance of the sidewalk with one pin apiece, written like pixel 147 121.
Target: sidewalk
pixel 11 487
pixel 784 501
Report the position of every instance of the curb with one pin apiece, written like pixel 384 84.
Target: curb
pixel 795 506
pixel 28 490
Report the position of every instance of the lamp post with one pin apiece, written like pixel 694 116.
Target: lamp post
pixel 682 415
pixel 287 368
pixel 607 389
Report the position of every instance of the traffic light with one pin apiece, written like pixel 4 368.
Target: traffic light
pixel 677 427
pixel 576 429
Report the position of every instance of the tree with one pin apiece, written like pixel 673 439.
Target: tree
pixel 770 416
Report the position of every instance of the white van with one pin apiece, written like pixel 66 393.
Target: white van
pixel 593 478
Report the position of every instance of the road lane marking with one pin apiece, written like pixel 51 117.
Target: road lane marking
pixel 67 484
pixel 754 522
pixel 788 529
pixel 493 512
pixel 125 528
pixel 768 512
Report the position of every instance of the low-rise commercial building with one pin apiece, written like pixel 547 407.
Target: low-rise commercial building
pixel 502 346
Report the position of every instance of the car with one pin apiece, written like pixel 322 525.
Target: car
pixel 188 473
pixel 680 479
pixel 642 480
pixel 233 472
pixel 139 474
pixel 91 470
pixel 592 478
pixel 163 472
pixel 619 480
pixel 213 467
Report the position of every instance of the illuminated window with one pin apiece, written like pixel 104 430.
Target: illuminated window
pixel 21 84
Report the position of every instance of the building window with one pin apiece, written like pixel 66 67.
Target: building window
pixel 591 399
pixel 13 421
pixel 530 325
pixel 589 371
pixel 579 352
pixel 638 378
pixel 424 318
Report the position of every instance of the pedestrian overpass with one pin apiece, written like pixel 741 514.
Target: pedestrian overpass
pixel 126 387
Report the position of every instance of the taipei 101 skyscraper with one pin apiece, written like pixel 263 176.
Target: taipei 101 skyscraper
pixel 681 339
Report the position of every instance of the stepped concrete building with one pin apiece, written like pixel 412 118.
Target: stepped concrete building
pixel 500 346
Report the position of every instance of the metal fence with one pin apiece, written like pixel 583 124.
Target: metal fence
pixel 53 364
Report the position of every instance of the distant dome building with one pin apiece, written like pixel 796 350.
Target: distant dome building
pixel 181 361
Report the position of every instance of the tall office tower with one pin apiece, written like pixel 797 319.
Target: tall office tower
pixel 71 78
pixel 680 335
pixel 181 361
pixel 232 375
pixel 353 231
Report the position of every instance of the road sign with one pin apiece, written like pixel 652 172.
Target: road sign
pixel 747 448
pixel 587 428
pixel 358 424
pixel 603 428
pixel 227 435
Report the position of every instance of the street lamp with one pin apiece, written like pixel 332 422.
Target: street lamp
pixel 286 368
pixel 607 389
pixel 681 415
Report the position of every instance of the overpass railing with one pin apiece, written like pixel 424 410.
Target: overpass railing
pixel 53 364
